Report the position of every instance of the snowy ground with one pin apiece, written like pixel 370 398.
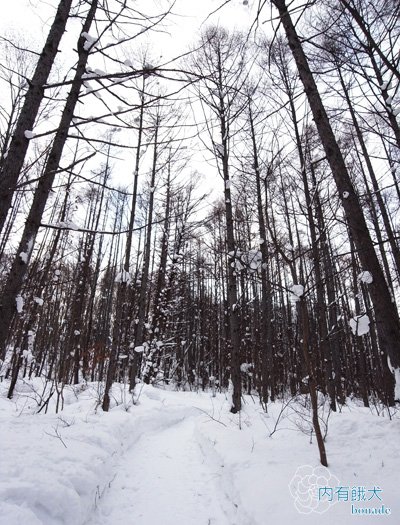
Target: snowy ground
pixel 181 458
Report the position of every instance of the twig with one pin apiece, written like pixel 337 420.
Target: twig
pixel 58 435
pixel 210 416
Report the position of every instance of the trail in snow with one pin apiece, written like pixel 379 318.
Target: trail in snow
pixel 183 458
pixel 168 477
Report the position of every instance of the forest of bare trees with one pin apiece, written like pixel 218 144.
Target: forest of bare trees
pixel 228 218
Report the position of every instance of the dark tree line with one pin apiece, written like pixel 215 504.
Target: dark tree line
pixel 286 281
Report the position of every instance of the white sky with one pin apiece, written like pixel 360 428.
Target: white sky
pixel 32 19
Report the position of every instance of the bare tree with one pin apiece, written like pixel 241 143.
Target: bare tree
pixel 220 64
pixel 11 165
pixel 387 320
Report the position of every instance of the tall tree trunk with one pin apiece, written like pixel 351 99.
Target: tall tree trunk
pixel 12 164
pixel 387 320
pixel 266 299
pixel 377 191
pixel 312 383
pixel 315 250
pixel 20 265
pixel 121 303
pixel 232 294
pixel 139 335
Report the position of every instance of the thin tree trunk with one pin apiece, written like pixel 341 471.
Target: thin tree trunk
pixel 139 336
pixel 311 381
pixel 121 306
pixel 266 300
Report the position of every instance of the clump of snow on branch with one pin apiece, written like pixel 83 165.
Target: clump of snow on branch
pixel 88 86
pixel 24 257
pixel 297 291
pixel 89 74
pixel 246 368
pixel 19 303
pixel 29 134
pixel 365 277
pixel 89 41
pixel 360 324
pixel 250 260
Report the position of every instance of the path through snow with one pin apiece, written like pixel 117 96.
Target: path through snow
pixel 168 476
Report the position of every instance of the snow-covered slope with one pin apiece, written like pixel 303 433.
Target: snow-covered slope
pixel 181 458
